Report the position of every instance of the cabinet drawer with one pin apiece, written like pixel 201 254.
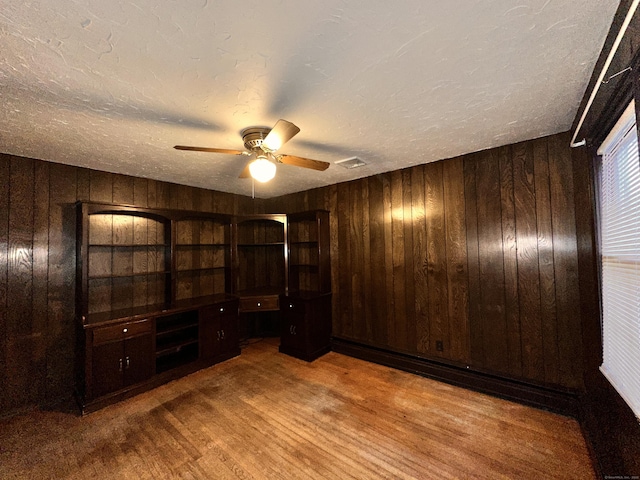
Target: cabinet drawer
pixel 121 331
pixel 293 306
pixel 220 309
pixel 258 304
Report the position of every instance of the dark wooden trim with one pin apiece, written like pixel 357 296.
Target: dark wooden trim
pixel 618 20
pixel 565 403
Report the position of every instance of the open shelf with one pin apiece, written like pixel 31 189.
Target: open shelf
pixel 189 270
pixel 129 245
pixel 127 275
pixel 175 347
pixel 177 336
pixel 213 245
pixel 185 354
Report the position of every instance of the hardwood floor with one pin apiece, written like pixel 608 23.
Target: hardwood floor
pixel 267 415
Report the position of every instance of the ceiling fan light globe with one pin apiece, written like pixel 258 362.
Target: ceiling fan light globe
pixel 262 169
pixel 271 144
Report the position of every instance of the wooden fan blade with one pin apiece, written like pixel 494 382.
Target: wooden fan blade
pixel 280 134
pixel 210 150
pixel 303 162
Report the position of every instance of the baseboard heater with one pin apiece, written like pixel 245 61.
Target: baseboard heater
pixel 563 402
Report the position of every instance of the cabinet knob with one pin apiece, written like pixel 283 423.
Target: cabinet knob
pixel 259 304
pixel 291 305
pixel 221 309
pixel 125 330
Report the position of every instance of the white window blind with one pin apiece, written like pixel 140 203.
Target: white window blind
pixel 620 250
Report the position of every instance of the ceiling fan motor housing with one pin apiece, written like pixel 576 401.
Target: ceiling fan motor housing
pixel 254 136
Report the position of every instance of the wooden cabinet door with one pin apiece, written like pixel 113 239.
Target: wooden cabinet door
pixel 228 334
pixel 219 334
pixel 107 368
pixel 293 325
pixel 138 359
pixel 209 328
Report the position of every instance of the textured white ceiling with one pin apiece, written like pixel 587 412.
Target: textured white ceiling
pixel 113 85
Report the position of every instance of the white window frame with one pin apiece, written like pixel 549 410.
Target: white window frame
pixel 619 222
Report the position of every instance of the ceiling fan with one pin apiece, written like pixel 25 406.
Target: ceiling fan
pixel 263 143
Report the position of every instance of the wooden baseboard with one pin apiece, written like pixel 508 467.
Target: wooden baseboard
pixel 565 403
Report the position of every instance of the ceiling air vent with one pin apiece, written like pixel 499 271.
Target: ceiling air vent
pixel 350 163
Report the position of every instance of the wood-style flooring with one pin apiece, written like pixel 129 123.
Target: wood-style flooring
pixel 265 415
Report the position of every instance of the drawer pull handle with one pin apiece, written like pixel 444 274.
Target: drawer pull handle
pixel 222 334
pixel 120 368
pixel 125 330
pixel 128 363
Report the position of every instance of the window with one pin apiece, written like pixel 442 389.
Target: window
pixel 620 251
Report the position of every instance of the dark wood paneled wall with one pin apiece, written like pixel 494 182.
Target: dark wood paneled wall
pixel 37 264
pixel 470 261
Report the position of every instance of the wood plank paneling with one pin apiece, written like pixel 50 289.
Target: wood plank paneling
pixel 343 322
pixel 83 185
pixel 356 249
pixel 389 292
pixel 5 181
pixel 368 269
pixel 101 185
pixel 439 344
pixel 510 258
pixel 162 195
pixel 61 279
pixel 491 261
pixel 409 289
pixel 123 189
pixel 398 328
pixel 476 347
pixel 565 261
pixel 40 310
pixel 419 260
pixel 456 258
pixel 377 261
pixel 545 261
pixel 140 192
pixel 21 385
pixel 332 206
pixel 528 262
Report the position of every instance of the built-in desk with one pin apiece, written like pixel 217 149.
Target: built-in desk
pixel 265 299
